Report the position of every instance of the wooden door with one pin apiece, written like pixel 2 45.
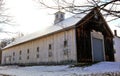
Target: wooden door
pixel 98 51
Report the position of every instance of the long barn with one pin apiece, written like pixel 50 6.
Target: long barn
pixel 80 38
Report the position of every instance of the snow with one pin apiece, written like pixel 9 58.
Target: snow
pixel 104 67
pixel 62 70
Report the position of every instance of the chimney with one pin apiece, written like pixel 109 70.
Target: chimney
pixel 115 32
pixel 59 16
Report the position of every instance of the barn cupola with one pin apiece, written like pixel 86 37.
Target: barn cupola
pixel 59 16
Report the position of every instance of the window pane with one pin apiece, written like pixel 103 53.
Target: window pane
pixel 13 59
pixel 50 54
pixel 37 56
pixel 37 49
pixel 20 52
pixel 65 43
pixel 13 53
pixel 28 51
pixel 27 57
pixel 20 58
pixel 50 47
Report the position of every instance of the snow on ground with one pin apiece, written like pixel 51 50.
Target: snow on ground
pixel 63 70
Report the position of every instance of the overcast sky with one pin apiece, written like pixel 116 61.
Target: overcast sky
pixel 30 18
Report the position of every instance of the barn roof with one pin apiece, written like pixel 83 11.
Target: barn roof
pixel 66 23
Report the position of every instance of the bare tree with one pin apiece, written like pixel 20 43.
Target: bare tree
pixel 3 17
pixel 108 7
pixel 5 42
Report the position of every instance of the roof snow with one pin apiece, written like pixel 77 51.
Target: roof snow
pixel 54 28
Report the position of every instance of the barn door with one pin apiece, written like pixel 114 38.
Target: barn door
pixel 98 52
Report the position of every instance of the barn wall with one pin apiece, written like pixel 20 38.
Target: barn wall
pixel 51 49
pixel 117 48
pixel 93 21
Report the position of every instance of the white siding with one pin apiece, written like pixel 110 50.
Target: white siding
pixel 117 48
pixel 56 41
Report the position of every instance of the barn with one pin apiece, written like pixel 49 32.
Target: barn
pixel 80 38
pixel 116 40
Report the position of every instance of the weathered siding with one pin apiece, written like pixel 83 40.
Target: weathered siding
pixel 47 54
pixel 93 21
pixel 117 48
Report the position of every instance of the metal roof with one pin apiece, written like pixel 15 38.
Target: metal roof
pixel 52 29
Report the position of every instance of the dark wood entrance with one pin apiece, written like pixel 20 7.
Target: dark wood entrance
pixel 83 37
pixel 84 46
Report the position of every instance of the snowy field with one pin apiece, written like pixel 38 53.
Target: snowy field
pixel 99 69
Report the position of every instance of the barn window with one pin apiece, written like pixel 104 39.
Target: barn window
pixel 20 52
pixel 10 58
pixel 27 57
pixel 65 52
pixel 37 56
pixel 65 43
pixel 50 54
pixel 37 49
pixel 28 51
pixel 13 59
pixel 13 53
pixel 50 47
pixel 20 58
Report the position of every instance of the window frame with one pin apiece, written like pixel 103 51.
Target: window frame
pixel 20 52
pixel 28 51
pixel 50 46
pixel 65 43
